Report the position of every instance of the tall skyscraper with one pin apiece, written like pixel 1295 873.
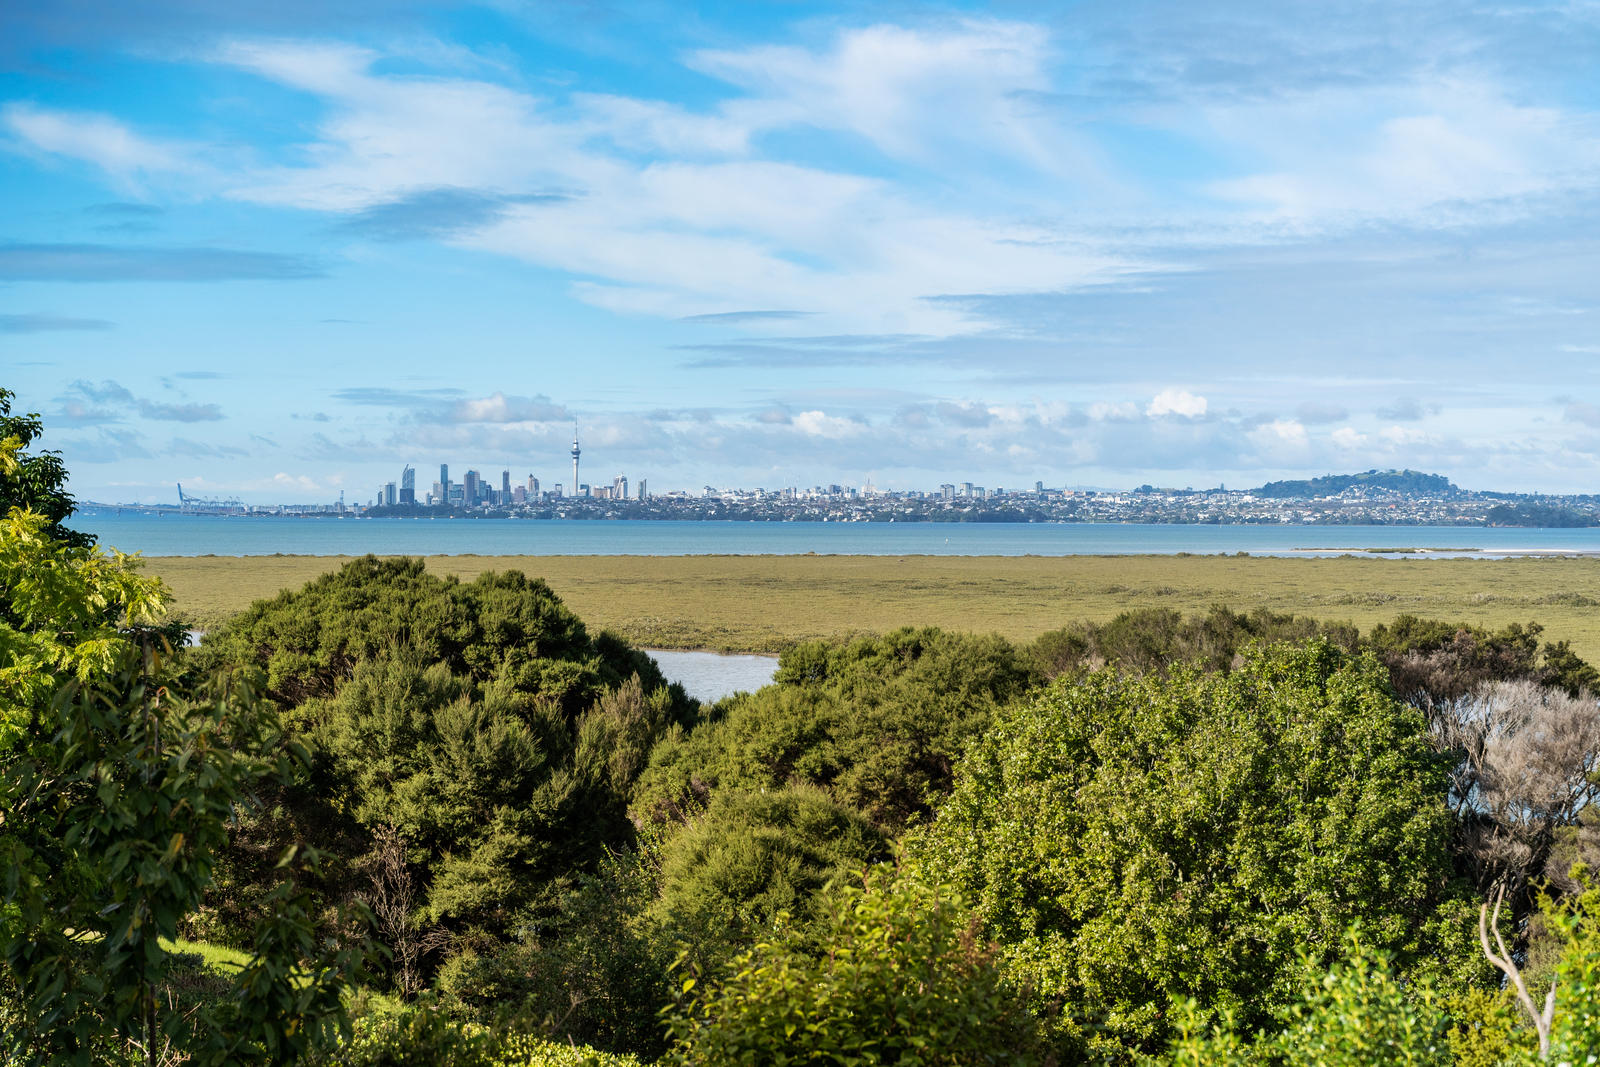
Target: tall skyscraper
pixel 643 494
pixel 444 480
pixel 505 487
pixel 533 488
pixel 619 487
pixel 575 482
pixel 471 488
pixel 408 486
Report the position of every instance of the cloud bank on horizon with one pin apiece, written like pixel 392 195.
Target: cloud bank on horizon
pixel 1110 244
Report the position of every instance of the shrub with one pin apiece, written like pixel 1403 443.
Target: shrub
pixel 892 975
pixel 478 722
pixel 752 856
pixel 878 722
pixel 1131 840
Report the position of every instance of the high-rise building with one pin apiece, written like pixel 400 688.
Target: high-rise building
pixel 643 494
pixel 408 486
pixel 575 481
pixel 619 487
pixel 444 482
pixel 505 487
pixel 471 488
pixel 533 488
pixel 438 498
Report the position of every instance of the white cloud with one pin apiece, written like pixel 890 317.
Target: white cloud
pixel 1347 438
pixel 821 424
pixel 1177 402
pixel 1438 151
pixel 1123 411
pixel 1279 434
pixel 99 140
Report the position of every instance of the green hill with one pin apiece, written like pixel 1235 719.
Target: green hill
pixel 1407 481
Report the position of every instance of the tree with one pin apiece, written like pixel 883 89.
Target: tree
pixel 892 975
pixel 37 482
pixel 727 875
pixel 116 784
pixel 1131 840
pixel 878 722
pixel 1525 762
pixel 479 721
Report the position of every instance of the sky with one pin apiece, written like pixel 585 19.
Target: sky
pixel 278 249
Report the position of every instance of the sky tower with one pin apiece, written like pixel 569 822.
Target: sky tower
pixel 574 459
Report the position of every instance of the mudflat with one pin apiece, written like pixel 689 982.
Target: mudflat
pixel 764 603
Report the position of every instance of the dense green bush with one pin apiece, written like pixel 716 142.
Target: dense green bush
pixel 731 871
pixel 879 722
pixel 592 968
pixel 478 725
pixel 1357 1013
pixel 891 975
pixel 422 1035
pixel 1434 662
pixel 1130 840
pixel 118 778
pixel 1156 639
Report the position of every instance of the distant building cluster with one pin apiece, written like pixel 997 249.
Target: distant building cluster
pixel 473 491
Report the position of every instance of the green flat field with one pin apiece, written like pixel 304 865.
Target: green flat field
pixel 764 603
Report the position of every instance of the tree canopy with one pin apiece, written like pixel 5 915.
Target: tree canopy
pixel 1132 839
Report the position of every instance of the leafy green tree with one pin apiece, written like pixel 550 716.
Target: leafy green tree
pixel 891 975
pixel 116 785
pixel 36 482
pixel 878 722
pixel 1359 1012
pixel 479 721
pixel 731 871
pixel 1131 840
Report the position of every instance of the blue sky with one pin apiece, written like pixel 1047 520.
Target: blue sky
pixel 276 250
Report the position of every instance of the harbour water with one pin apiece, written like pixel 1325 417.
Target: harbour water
pixel 200 535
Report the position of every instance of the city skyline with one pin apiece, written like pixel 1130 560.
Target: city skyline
pixel 277 252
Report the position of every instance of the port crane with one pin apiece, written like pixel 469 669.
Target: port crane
pixel 195 503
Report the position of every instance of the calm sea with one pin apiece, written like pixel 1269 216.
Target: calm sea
pixel 198 535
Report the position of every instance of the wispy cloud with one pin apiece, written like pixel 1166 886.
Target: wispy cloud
pixel 127 263
pixel 42 323
pixel 120 402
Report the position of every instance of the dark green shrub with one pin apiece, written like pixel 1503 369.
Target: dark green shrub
pixel 1129 840
pixel 731 871
pixel 878 722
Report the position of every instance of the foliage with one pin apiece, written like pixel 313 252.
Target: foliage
pixel 480 722
pixel 592 969
pixel 422 1035
pixel 1130 840
pixel 893 975
pixel 35 483
pixel 114 801
pixel 59 608
pixel 1154 639
pixel 1573 925
pixel 752 856
pixel 1358 1012
pixel 876 721
pixel 1432 662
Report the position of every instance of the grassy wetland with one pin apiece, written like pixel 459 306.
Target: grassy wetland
pixel 765 603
